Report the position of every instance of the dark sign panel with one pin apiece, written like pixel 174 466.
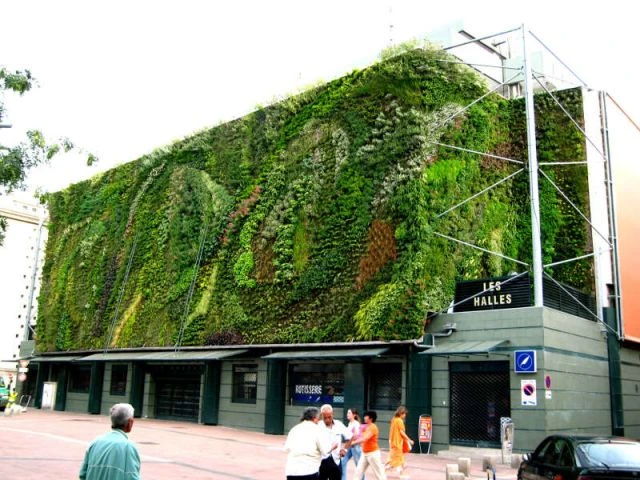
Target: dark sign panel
pixel 492 294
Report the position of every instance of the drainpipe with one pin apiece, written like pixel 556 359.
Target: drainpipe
pixel 447 331
pixel 615 374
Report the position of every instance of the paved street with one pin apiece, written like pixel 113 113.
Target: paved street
pixel 50 445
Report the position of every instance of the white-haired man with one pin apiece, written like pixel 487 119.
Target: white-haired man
pixel 335 433
pixel 113 456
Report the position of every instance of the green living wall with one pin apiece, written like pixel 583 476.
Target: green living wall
pixel 313 219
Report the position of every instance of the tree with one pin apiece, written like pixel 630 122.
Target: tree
pixel 16 161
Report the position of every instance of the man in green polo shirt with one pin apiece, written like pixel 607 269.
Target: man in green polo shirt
pixel 113 456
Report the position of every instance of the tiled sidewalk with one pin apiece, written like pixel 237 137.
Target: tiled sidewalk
pixel 50 445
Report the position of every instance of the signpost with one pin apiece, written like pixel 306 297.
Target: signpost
pixel 425 431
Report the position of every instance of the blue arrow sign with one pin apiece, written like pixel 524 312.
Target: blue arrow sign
pixel 524 361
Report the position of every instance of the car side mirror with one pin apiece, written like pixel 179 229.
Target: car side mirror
pixel 527 456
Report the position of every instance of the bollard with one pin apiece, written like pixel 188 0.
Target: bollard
pixel 464 466
pixel 516 460
pixel 450 468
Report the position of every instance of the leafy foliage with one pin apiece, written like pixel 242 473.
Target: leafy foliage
pixel 17 160
pixel 315 218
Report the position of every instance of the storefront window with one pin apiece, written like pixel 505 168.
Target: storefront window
pixel 80 379
pixel 245 383
pixel 118 380
pixel 385 386
pixel 316 384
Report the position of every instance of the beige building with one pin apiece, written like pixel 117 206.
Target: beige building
pixel 21 260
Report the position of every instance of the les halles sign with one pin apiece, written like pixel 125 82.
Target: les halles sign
pixel 492 293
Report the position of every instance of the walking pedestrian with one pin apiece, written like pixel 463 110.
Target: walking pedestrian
pixel 370 449
pixel 113 456
pixel 399 441
pixel 355 451
pixel 335 434
pixel 306 447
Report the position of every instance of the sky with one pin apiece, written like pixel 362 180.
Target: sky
pixel 122 78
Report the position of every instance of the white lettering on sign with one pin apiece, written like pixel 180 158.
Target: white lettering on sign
pixel 309 389
pixel 492 286
pixel 492 300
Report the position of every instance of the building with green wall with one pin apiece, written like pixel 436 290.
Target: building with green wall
pixel 309 253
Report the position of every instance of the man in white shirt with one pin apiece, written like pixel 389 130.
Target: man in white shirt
pixel 306 446
pixel 335 433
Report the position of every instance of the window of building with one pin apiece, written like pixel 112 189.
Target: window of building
pixel 80 379
pixel 316 384
pixel 245 383
pixel 385 386
pixel 118 379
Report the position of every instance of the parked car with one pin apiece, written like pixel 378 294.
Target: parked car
pixel 582 457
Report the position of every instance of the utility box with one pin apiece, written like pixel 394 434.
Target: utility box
pixel 49 395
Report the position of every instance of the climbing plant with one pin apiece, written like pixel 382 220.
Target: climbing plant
pixel 318 215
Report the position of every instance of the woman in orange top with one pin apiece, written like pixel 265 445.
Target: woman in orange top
pixel 370 450
pixel 399 441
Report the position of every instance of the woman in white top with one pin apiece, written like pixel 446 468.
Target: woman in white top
pixel 356 450
pixel 306 448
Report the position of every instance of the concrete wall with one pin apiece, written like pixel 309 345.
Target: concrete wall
pixel 247 416
pixel 109 400
pixel 77 402
pixel 576 359
pixel 630 373
pixel 570 350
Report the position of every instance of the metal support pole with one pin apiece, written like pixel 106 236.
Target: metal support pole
pixel 611 205
pixel 533 176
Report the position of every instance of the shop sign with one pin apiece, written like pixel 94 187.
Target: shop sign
pixel 492 294
pixel 307 393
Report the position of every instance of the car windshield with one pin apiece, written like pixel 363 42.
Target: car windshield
pixel 611 454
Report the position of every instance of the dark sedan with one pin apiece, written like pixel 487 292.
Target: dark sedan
pixel 582 457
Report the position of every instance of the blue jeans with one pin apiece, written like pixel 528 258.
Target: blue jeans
pixel 355 452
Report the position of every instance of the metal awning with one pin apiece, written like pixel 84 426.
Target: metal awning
pixel 59 358
pixel 327 354
pixel 465 348
pixel 172 356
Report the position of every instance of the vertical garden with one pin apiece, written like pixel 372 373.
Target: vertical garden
pixel 313 219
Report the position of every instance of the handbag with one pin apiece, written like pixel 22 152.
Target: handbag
pixel 406 446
